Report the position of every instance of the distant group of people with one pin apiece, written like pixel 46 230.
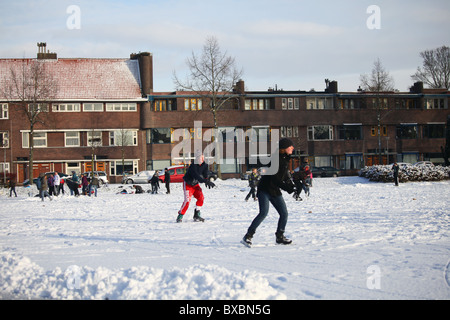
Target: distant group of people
pixel 154 183
pixel 302 178
pixel 50 185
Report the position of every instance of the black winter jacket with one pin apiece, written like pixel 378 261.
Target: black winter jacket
pixel 282 179
pixel 196 174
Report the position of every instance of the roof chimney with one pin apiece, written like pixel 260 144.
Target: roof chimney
pixel 43 53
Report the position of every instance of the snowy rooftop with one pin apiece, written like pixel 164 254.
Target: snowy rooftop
pixel 99 79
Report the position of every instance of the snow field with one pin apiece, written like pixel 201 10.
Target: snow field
pixel 353 239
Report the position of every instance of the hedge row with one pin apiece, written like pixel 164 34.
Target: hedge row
pixel 384 173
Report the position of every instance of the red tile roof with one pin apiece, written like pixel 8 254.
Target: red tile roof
pixel 84 79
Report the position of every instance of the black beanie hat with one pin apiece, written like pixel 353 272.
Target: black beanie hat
pixel 285 143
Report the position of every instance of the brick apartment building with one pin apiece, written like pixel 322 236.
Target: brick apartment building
pixel 346 130
pixel 94 119
pixel 105 113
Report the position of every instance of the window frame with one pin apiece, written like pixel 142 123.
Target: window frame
pixel 312 134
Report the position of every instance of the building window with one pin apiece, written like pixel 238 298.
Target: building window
pixel 39 139
pixel 259 134
pixel 93 107
pixel 324 132
pixel 406 104
pixel 407 131
pixel 434 131
pixel 72 139
pixel 350 132
pixel 352 161
pixel 289 132
pixel 290 103
pixel 319 103
pixel 4 114
pixel 164 105
pixel 94 138
pixel 4 139
pixel 38 107
pixel 4 167
pixel 123 137
pixel 323 161
pixel 228 134
pixel 158 135
pixel 374 131
pixel 257 104
pixel 379 103
pixel 118 168
pixel 437 103
pixel 66 107
pixel 117 107
pixel 351 103
pixel 193 104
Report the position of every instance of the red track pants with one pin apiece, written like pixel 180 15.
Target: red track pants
pixel 190 191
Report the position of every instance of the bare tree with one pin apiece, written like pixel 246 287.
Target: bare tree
pixel 212 75
pixel 378 81
pixel 435 71
pixel 30 89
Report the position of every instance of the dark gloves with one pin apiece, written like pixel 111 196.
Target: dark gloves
pixel 210 184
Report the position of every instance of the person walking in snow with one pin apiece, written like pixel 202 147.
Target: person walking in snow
pixel 43 189
pixel 12 186
pixel 57 183
pixel 196 173
pixel 302 180
pixel 74 180
pixel 269 193
pixel 51 184
pixel 84 184
pixel 167 180
pixel 73 187
pixel 395 168
pixel 155 182
pixel 94 184
pixel 253 180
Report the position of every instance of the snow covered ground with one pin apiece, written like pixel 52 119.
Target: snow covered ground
pixel 352 239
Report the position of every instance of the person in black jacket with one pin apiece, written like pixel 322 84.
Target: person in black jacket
pixel 269 192
pixel 167 180
pixel 196 173
pixel 253 180
pixel 395 168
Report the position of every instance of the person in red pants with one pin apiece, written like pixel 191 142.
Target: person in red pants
pixel 196 173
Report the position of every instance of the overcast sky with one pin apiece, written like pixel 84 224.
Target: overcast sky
pixel 289 43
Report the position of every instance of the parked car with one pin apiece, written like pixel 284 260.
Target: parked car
pixel 140 177
pixel 424 163
pixel 177 174
pixel 102 177
pixel 325 172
